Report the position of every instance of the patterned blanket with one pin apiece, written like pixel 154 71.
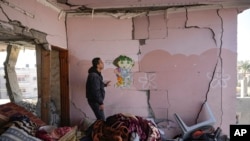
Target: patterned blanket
pixel 119 127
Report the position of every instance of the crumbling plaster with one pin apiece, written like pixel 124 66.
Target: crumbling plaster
pixel 189 57
pixel 34 15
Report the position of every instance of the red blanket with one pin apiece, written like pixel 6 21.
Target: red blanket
pixel 119 128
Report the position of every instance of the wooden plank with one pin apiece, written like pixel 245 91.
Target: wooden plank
pixel 44 62
pixel 38 66
pixel 64 82
pixel 45 84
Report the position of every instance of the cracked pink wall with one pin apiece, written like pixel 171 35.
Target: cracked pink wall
pixel 173 73
pixel 38 16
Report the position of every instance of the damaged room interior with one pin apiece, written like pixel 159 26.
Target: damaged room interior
pixel 172 67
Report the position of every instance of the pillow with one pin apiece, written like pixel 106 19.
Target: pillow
pixel 10 109
pixel 49 133
pixel 14 133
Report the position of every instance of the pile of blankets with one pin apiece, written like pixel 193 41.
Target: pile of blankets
pixel 20 128
pixel 125 127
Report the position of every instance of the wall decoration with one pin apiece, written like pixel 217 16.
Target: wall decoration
pixel 123 72
pixel 219 80
pixel 148 81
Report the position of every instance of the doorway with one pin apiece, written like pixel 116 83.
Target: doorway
pixel 49 75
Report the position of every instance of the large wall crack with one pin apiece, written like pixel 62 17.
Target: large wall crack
pixel 220 62
pixel 6 15
pixel 150 109
pixel 79 109
pixel 208 28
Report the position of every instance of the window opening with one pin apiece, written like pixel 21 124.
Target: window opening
pixel 243 69
pixel 26 72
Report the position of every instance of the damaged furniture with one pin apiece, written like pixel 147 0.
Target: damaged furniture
pixel 187 130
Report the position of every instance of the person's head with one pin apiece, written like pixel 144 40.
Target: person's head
pixel 123 62
pixel 97 63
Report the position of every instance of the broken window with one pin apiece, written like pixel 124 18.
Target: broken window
pixel 26 75
pixel 47 77
pixel 16 79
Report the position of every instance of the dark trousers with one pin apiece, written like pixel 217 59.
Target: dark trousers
pixel 99 114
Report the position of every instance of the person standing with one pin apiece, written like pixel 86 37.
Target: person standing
pixel 95 91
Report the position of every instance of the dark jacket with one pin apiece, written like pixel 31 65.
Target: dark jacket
pixel 95 86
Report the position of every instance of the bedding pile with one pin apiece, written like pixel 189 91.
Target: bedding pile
pixel 18 124
pixel 125 127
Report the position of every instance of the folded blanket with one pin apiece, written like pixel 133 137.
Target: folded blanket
pixel 13 133
pixel 102 132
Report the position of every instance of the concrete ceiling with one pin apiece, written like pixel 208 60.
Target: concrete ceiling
pixel 84 6
pixel 114 6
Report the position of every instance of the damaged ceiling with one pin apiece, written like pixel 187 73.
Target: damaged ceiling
pixel 19 35
pixel 131 8
pixel 88 6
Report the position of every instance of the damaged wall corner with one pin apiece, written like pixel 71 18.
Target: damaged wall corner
pixel 12 86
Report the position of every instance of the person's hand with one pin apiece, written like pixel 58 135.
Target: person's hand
pixel 107 83
pixel 101 107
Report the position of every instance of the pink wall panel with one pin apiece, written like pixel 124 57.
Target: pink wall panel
pixel 180 41
pixel 157 26
pixel 141 25
pixel 100 28
pixel 101 48
pixel 178 62
pixel 159 103
pixel 176 19
pixel 229 26
pixel 207 18
pixel 212 21
pixel 126 101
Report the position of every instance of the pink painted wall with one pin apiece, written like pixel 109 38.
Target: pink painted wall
pixel 174 70
pixel 38 16
pixel 171 75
